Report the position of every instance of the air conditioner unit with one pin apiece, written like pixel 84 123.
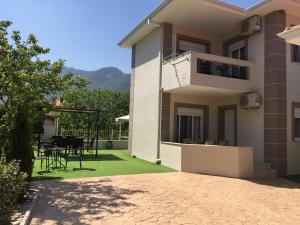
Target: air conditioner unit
pixel 250 100
pixel 251 25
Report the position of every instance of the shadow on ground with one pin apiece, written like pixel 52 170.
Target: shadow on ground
pixel 277 182
pixel 81 202
pixel 102 157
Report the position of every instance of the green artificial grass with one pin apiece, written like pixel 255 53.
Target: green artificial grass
pixel 108 163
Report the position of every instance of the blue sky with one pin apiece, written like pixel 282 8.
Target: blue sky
pixel 83 32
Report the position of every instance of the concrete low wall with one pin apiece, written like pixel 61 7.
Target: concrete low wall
pixel 123 144
pixel 170 155
pixel 236 162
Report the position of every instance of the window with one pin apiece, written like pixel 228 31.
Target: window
pixel 190 125
pixel 237 50
pixel 186 46
pixel 296 122
pixel 295 53
pixel 187 43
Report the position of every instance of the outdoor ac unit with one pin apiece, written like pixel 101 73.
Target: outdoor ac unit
pixel 250 100
pixel 251 25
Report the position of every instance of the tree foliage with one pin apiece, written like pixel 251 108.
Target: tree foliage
pixel 26 82
pixel 110 105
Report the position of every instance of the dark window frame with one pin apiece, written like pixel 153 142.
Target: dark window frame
pixel 294 106
pixel 295 53
pixel 180 37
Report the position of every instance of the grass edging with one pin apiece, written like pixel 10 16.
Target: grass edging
pixel 28 215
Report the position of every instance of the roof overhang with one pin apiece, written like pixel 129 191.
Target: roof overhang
pixel 214 16
pixel 291 35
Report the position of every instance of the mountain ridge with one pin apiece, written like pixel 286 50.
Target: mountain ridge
pixel 110 78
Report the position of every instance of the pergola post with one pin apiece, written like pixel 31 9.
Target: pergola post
pixel 120 130
pixel 97 132
pixel 88 134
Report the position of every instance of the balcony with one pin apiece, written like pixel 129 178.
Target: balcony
pixel 195 71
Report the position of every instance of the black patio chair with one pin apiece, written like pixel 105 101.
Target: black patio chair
pixel 70 156
pixel 74 151
pixel 45 153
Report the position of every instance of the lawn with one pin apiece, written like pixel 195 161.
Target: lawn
pixel 109 163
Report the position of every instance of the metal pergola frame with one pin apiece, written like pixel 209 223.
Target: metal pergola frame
pixel 89 112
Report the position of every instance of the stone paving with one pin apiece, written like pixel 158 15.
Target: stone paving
pixel 170 198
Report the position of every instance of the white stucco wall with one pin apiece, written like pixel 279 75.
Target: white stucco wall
pixel 215 160
pixel 146 97
pixel 293 95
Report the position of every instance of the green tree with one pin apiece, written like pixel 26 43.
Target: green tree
pixel 26 83
pixel 109 103
pixel 21 139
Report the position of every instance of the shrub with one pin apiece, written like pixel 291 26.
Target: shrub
pixel 12 184
pixel 21 140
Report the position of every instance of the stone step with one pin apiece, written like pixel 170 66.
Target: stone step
pixel 264 170
pixel 262 165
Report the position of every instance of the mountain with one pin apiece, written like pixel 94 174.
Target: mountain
pixel 105 78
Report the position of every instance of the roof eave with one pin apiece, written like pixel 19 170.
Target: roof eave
pixel 123 44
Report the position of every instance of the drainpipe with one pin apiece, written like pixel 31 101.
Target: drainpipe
pixel 158 160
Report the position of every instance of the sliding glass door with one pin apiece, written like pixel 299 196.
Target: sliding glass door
pixel 190 126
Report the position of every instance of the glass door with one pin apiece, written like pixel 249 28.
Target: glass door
pixel 190 126
pixel 238 51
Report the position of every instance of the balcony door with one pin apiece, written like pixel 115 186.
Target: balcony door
pixel 190 125
pixel 228 125
pixel 237 50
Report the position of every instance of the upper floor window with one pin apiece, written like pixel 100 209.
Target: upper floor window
pixel 296 122
pixel 186 44
pixel 237 50
pixel 295 53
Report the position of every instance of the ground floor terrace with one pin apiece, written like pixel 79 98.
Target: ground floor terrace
pixel 212 119
pixel 169 198
pixel 208 132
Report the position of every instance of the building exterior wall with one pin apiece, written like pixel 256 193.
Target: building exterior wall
pixel 275 98
pixel 145 104
pixel 131 106
pixel 267 129
pixel 215 40
pixel 293 95
pixel 50 129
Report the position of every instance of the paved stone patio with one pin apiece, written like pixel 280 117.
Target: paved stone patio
pixel 170 198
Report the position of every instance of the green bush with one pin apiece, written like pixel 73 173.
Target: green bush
pixel 21 140
pixel 12 184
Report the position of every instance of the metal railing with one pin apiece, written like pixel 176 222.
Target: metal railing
pixel 114 134
pixel 222 69
pixel 214 64
pixel 174 56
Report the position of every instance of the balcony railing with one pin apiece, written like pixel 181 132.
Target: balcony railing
pixel 222 69
pixel 208 70
pixel 216 65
